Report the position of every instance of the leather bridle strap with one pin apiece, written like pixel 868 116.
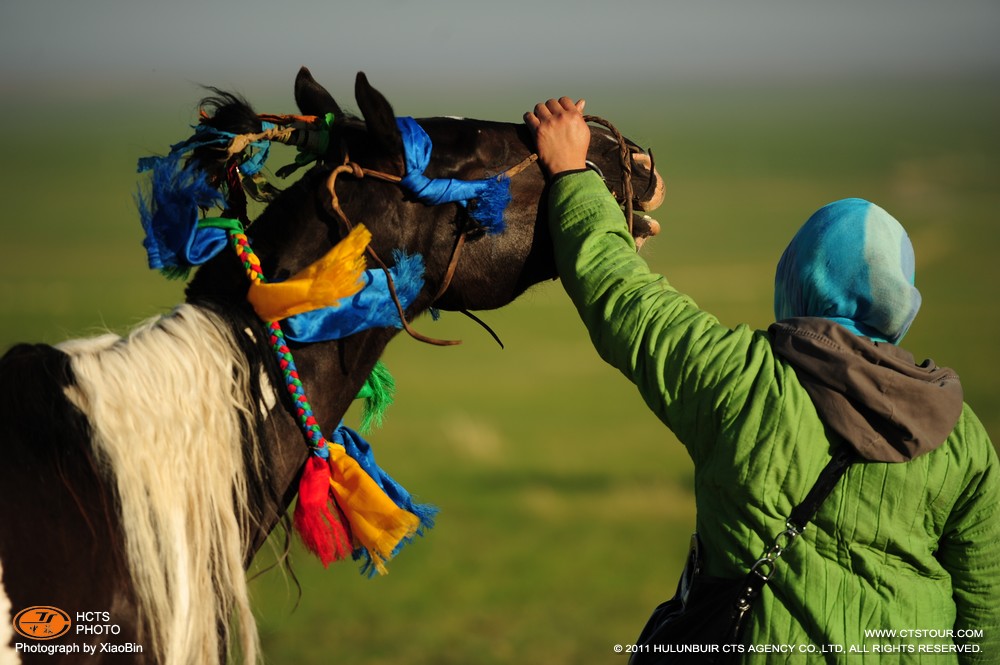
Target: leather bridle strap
pixel 626 164
pixel 358 171
pixel 462 235
pixel 334 206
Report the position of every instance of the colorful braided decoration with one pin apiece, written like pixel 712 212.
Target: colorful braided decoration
pixel 377 524
pixel 322 532
pixel 304 412
pixel 251 264
pixel 346 503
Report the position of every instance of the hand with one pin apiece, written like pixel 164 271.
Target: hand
pixel 561 135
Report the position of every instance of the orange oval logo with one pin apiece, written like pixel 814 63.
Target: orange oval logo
pixel 42 622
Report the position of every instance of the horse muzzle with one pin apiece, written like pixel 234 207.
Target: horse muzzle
pixel 644 226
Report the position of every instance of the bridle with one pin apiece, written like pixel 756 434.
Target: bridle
pixel 299 131
pixel 333 205
pixel 625 161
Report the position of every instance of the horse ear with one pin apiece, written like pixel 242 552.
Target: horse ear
pixel 379 116
pixel 312 98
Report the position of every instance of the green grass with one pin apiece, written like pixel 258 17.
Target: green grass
pixel 565 506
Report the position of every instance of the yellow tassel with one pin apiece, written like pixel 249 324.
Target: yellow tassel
pixel 335 276
pixel 377 523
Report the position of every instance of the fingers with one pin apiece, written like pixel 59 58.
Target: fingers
pixel 547 110
pixel 561 135
pixel 558 106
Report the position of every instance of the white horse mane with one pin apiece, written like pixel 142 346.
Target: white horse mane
pixel 170 407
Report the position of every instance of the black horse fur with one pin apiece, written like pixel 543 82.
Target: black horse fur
pixel 77 417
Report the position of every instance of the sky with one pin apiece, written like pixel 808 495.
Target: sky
pixel 144 46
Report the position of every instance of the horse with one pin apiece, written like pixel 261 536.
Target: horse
pixel 142 473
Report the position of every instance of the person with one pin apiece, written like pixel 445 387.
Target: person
pixel 906 542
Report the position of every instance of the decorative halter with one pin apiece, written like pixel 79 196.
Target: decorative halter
pixel 347 504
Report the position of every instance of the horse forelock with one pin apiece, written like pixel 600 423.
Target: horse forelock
pixel 176 412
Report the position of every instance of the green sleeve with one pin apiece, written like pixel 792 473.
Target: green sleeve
pixel 968 546
pixel 690 370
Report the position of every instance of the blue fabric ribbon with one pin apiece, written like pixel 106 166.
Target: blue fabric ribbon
pixel 491 195
pixel 853 263
pixel 361 451
pixel 169 214
pixel 371 307
pixel 253 164
pixel 170 211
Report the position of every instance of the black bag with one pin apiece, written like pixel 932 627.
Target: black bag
pixel 705 620
pixel 702 623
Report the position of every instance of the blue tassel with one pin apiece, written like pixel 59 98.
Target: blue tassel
pixel 170 210
pixel 490 204
pixel 371 307
pixel 488 197
pixel 361 451
pixel 169 213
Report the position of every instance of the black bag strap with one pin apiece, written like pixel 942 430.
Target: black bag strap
pixel 762 569
pixel 803 513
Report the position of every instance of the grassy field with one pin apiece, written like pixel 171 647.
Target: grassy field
pixel 565 506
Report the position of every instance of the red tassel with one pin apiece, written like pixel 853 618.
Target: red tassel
pixel 321 531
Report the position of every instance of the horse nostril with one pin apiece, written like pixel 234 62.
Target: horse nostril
pixel 654 227
pixel 644 226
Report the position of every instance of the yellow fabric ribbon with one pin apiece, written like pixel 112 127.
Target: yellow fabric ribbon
pixel 335 276
pixel 377 523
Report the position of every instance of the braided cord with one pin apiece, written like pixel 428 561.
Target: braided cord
pixel 303 410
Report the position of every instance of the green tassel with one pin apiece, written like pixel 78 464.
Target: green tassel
pixel 378 393
pixel 175 272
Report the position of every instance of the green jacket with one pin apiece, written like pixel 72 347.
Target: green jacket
pixel 906 547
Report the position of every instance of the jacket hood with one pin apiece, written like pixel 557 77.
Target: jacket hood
pixel 872 394
pixel 851 262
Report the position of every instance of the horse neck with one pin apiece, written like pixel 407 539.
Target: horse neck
pixel 290 234
pixel 332 374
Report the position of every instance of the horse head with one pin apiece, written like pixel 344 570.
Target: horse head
pixel 467 266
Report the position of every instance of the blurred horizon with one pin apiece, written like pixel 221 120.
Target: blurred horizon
pixel 634 60
pixel 142 46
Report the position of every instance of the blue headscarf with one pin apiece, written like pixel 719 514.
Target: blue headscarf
pixel 851 262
